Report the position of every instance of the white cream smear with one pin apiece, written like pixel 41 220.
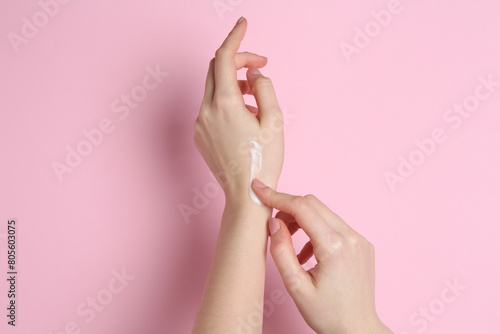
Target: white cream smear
pixel 255 167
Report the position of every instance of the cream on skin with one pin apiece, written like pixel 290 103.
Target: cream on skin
pixel 255 167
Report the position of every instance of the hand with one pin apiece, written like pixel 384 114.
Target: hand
pixel 226 125
pixel 338 294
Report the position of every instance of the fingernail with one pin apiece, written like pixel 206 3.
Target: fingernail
pixel 240 20
pixel 274 225
pixel 258 183
pixel 253 70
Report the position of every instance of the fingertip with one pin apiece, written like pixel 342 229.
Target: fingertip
pixel 261 62
pixel 274 226
pixel 252 109
pixel 258 184
pixel 240 27
pixel 253 71
pixel 241 19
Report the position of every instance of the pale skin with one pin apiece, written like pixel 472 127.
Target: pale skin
pixel 337 295
pixel 222 133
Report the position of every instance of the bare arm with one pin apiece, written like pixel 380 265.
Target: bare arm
pixel 225 131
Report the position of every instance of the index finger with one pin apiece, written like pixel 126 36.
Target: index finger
pixel 306 215
pixel 225 64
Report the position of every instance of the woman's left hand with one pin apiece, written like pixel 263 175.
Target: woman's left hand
pixel 226 125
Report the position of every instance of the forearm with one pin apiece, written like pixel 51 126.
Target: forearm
pixel 235 284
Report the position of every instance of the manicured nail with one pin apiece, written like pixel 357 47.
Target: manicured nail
pixel 253 70
pixel 240 20
pixel 274 225
pixel 258 183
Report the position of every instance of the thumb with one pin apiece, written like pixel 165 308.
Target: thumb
pixel 272 198
pixel 294 276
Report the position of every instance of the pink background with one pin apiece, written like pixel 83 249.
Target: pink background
pixel 347 124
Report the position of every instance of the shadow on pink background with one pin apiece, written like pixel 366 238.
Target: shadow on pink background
pixel 104 248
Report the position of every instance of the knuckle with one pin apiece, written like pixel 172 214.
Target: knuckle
pixel 335 243
pixel 293 281
pixel 279 249
pixel 221 52
pixel 262 82
pixel 202 118
pixel 301 203
pixel 359 243
pixel 276 123
pixel 277 114
pixel 355 239
pixel 278 118
pixel 327 251
pixel 332 244
pixel 273 197
pixel 310 198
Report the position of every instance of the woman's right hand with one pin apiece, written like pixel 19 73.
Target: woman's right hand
pixel 338 294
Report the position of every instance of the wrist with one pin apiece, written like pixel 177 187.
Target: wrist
pixel 239 195
pixel 376 326
pixel 241 208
